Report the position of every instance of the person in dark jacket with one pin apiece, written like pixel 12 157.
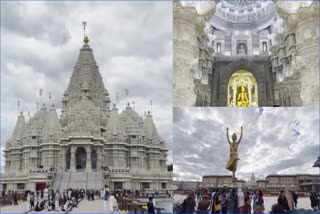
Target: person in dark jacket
pixel 223 202
pixel 282 200
pixel 204 204
pixel 277 208
pixel 189 204
pixel 150 206
pixel 216 207
pixel 314 201
pixel 247 203
pixel 233 201
pixel 295 198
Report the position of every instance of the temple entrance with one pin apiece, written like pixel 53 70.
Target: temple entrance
pixel 242 90
pixel 81 158
pixel 68 159
pixel 118 185
pixel 94 159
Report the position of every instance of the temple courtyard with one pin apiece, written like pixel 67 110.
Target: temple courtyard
pixel 85 206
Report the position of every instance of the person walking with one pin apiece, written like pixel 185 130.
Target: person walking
pixel 204 204
pixel 254 199
pixel 289 197
pixel 247 203
pixel 240 201
pixel 216 207
pixel 57 199
pixel 92 195
pixel 233 201
pixel 314 201
pixel 113 203
pixel 32 201
pixel 282 200
pixel 259 203
pixel 189 204
pixel 106 196
pixel 28 201
pixel 150 206
pixel 223 202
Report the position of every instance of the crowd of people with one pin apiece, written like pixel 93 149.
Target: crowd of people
pixel 111 204
pixel 57 200
pixel 224 201
pixel 236 201
pixel 54 200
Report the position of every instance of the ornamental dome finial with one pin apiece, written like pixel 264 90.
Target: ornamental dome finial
pixel 86 39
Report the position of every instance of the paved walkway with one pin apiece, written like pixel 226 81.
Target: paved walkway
pixel 20 208
pixel 89 206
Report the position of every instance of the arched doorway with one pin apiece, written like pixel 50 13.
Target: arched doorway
pixel 94 159
pixel 242 90
pixel 68 159
pixel 81 158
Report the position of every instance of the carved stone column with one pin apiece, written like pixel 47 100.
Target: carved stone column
pixel 188 25
pixel 302 18
pixel 99 158
pixel 62 160
pixel 72 159
pixel 88 161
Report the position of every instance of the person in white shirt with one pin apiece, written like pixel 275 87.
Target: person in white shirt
pixel 240 201
pixel 28 201
pixel 106 197
pixel 113 203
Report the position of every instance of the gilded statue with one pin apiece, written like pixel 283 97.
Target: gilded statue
pixel 242 99
pixel 233 159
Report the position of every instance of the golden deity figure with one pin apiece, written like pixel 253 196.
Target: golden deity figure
pixel 233 159
pixel 242 99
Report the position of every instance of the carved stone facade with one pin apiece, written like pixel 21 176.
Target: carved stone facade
pixel 89 140
pixel 188 28
pixel 282 51
pixel 297 63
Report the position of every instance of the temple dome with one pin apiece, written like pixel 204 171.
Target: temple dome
pixel 115 126
pixel 132 122
pixel 52 128
pixel 19 130
pixel 151 131
pixel 36 123
pixel 243 14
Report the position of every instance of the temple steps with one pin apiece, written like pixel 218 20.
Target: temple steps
pixel 78 180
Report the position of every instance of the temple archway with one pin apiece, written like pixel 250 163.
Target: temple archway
pixel 242 89
pixel 94 159
pixel 81 158
pixel 68 159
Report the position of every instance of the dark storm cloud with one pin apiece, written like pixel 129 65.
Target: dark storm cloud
pixel 269 144
pixel 131 42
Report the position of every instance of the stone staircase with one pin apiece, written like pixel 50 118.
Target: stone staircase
pixel 57 181
pixel 78 180
pixel 65 179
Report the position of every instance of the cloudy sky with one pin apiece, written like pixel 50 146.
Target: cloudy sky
pixel 40 43
pixel 275 141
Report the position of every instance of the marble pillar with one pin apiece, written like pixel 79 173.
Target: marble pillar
pixel 73 159
pixel 188 25
pixel 88 161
